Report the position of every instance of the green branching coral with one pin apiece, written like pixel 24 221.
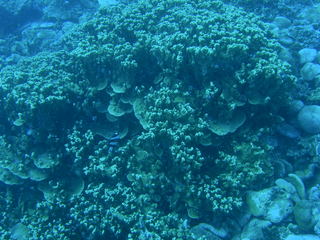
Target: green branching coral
pixel 186 89
pixel 170 151
pixel 198 41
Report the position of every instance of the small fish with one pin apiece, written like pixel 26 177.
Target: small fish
pixel 115 138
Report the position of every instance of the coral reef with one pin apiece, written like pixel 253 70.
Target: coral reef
pixel 148 123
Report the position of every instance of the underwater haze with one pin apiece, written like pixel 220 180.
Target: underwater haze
pixel 159 120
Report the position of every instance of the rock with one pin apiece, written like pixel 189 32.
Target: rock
pixel 285 39
pixel 270 203
pixel 15 7
pixel 309 71
pixel 282 22
pixel 314 193
pixel 207 232
pixel 307 55
pixel 302 237
pixel 20 232
pixel 294 107
pixel 287 130
pixel 316 228
pixel 286 55
pixel 311 14
pixel 309 119
pixel 257 201
pixel 254 229
pixel 106 3
pixel 278 210
pixel 40 36
pixel 304 215
pixel 14 14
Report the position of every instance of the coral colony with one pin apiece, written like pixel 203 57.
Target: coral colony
pixel 160 119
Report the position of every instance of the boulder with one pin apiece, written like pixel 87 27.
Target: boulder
pixel 310 71
pixel 309 119
pixel 307 55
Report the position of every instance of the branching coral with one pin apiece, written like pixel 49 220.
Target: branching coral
pixel 187 86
